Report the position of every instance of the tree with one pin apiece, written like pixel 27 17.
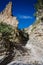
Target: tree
pixel 39 9
pixel 6 34
pixel 39 4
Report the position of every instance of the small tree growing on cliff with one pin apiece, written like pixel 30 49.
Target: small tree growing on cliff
pixel 6 34
pixel 39 5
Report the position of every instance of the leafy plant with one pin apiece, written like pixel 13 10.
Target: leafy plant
pixel 39 4
pixel 5 28
pixel 6 34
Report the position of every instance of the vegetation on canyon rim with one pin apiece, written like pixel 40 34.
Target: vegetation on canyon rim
pixel 38 14
pixel 8 34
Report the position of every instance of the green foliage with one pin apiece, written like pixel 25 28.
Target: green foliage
pixel 6 31
pixel 33 28
pixel 6 35
pixel 38 13
pixel 39 4
pixel 5 28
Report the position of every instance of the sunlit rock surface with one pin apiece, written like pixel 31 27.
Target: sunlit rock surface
pixel 6 16
pixel 35 43
pixel 19 38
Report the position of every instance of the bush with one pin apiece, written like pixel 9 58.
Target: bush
pixel 5 34
pixel 5 28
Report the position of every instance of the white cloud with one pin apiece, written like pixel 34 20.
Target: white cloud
pixel 25 17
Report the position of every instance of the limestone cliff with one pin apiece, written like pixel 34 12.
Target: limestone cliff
pixel 6 16
pixel 35 43
pixel 34 46
pixel 12 38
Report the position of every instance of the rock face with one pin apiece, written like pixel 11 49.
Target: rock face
pixel 35 31
pixel 35 43
pixel 34 46
pixel 6 16
pixel 15 46
pixel 34 54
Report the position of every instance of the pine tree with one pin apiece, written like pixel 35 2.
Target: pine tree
pixel 39 9
pixel 39 4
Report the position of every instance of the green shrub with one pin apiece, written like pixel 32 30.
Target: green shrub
pixel 5 28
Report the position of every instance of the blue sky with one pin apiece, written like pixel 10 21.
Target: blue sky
pixel 23 10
